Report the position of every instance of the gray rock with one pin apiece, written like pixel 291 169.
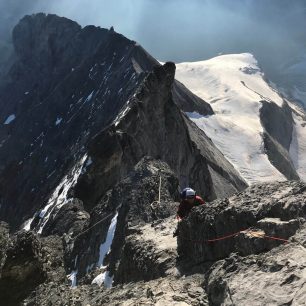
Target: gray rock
pixel 30 261
pixel 284 202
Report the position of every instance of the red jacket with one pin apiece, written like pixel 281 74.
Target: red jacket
pixel 185 207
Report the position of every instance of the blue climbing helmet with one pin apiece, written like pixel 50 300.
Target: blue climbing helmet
pixel 188 193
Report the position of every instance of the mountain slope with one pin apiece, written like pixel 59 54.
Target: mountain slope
pixel 67 85
pixel 252 124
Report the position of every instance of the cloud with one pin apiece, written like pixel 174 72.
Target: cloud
pixel 182 30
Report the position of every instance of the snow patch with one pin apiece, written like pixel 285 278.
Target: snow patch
pixel 122 114
pixel 105 279
pixel 59 196
pixel 89 97
pixel 10 118
pixel 106 246
pixel 73 278
pixel 27 225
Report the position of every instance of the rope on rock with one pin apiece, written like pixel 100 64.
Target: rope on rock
pixel 248 231
pixel 159 194
pixel 100 221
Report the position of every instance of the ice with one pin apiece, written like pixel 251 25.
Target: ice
pixel 73 278
pixel 234 86
pixel 58 121
pixel 121 115
pixel 10 118
pixel 89 97
pixel 27 225
pixel 89 162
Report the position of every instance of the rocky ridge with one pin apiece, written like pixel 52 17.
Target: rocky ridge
pixel 254 270
pixel 66 85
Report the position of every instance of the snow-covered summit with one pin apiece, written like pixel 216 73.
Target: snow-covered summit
pixel 235 87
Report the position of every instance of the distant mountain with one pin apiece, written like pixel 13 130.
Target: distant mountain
pixel 261 133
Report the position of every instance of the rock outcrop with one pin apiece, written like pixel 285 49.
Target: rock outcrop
pixel 278 137
pixel 263 210
pixel 28 262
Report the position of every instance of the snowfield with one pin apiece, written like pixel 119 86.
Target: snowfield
pixel 234 86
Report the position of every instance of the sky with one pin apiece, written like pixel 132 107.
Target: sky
pixel 188 30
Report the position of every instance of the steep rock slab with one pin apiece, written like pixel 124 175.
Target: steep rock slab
pixel 274 278
pixel 298 145
pixel 150 124
pixel 149 252
pixel 240 220
pixel 278 137
pixel 135 200
pixel 61 91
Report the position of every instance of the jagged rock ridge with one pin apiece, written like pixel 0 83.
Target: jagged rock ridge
pixel 66 85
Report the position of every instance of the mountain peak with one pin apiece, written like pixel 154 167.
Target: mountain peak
pixel 38 32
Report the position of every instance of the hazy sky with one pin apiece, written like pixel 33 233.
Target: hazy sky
pixel 188 30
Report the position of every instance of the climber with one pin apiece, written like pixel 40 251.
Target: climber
pixel 189 199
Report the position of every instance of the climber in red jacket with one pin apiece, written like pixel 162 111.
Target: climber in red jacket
pixel 189 199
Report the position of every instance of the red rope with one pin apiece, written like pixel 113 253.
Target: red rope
pixel 276 238
pixel 224 237
pixel 233 235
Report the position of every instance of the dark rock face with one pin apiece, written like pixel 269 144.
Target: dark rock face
pixel 71 218
pixel 182 97
pixel 66 84
pixel 29 262
pixel 277 137
pixel 252 212
pixel 274 278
